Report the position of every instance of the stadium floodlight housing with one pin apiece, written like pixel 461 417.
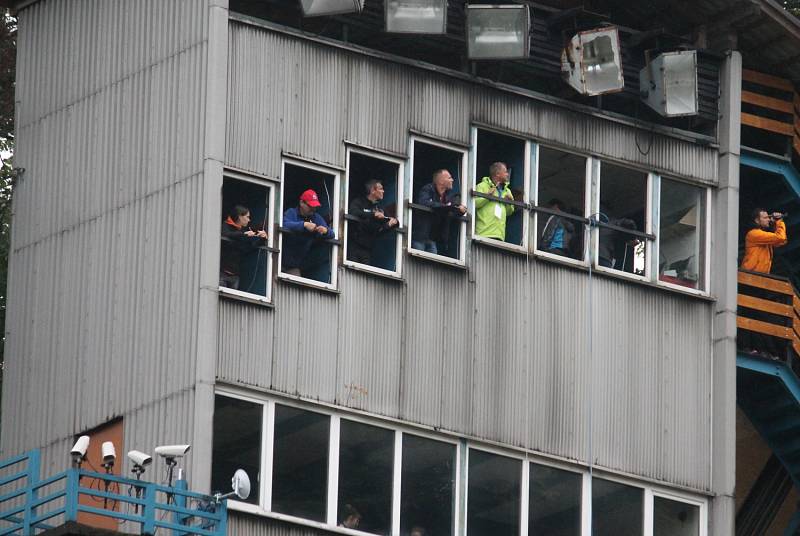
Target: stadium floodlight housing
pixel 498 32
pixel 592 63
pixel 315 8
pixel 668 84
pixel 416 16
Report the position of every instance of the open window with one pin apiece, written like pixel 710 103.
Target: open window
pixel 562 180
pixel 246 238
pixel 309 222
pixel 438 225
pixel 500 193
pixel 682 234
pixel 623 239
pixel 373 212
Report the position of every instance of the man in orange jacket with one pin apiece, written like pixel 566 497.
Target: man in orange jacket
pixel 760 241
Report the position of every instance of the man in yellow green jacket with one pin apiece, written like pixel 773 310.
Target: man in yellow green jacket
pixel 490 216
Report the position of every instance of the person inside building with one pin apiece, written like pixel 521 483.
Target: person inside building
pixel 558 231
pixel 616 248
pixel 372 222
pixel 306 229
pixel 351 517
pixel 431 230
pixel 237 239
pixel 768 232
pixel 490 216
pixel 417 530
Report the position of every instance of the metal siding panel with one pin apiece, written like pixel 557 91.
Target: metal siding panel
pixel 246 341
pixel 103 291
pixel 251 525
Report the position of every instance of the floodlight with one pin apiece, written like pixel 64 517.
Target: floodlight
pixel 668 83
pixel 315 8
pixel 591 63
pixel 498 32
pixel 416 16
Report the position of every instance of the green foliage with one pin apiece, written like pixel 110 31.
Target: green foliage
pixel 792 6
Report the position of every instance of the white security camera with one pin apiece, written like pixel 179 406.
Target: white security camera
pixel 140 458
pixel 109 453
pixel 172 451
pixel 78 451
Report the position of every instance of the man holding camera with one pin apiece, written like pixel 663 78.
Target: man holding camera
pixel 762 239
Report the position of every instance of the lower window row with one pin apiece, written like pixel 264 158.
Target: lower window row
pixel 334 470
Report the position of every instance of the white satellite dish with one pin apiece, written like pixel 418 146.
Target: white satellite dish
pixel 241 484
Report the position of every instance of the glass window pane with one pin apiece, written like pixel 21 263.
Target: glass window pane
pixel 366 455
pixel 496 220
pixel 681 251
pixel 674 518
pixel 436 184
pixel 616 509
pixel 493 494
pixel 371 240
pixel 562 187
pixel 300 463
pixel 244 261
pixel 306 252
pixel 623 202
pixel 237 443
pixel 427 487
pixel 555 502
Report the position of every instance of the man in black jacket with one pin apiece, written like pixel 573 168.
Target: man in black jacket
pixel 372 222
pixel 237 238
pixel 433 228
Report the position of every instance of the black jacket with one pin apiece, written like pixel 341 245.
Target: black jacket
pixel 234 244
pixel 434 225
pixel 364 232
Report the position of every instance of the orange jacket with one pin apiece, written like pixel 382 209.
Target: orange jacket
pixel 758 246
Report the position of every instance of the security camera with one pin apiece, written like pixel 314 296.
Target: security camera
pixel 172 451
pixel 109 453
pixel 78 451
pixel 140 458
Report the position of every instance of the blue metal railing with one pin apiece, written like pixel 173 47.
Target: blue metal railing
pixel 37 505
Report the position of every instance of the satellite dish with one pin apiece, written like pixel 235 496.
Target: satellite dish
pixel 241 484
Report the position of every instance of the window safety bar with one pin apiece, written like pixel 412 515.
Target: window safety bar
pixel 263 248
pixel 514 202
pixel 332 241
pixel 425 208
pixel 396 228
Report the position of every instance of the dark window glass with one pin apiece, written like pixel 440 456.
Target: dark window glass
pixel 616 509
pixel 237 443
pixel 244 260
pixel 491 148
pixel 300 463
pixel 674 518
pixel 562 187
pixel 427 486
pixel 370 240
pixel 555 502
pixel 623 202
pixel 436 230
pixel 305 253
pixel 681 250
pixel 493 494
pixel 366 455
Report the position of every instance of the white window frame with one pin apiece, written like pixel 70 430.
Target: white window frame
pixel 652 492
pixel 397 273
pixel 523 483
pixel 464 182
pixel 703 277
pixel 587 206
pixel 648 223
pixel 271 185
pixel 526 187
pixel 335 210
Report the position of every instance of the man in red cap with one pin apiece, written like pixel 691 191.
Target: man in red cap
pixel 306 227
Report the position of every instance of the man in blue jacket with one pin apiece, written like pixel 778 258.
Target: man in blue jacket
pixel 306 228
pixel 430 228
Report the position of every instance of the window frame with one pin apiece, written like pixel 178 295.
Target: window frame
pixel 587 206
pixel 401 229
pixel 271 185
pixel 461 261
pixel 705 277
pixel 460 486
pixel 526 191
pixel 648 223
pixel 335 211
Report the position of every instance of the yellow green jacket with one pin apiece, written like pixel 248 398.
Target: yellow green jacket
pixel 490 216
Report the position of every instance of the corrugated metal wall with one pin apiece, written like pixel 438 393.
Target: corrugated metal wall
pixel 103 291
pixel 499 351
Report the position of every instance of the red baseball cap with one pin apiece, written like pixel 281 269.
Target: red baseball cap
pixel 311 199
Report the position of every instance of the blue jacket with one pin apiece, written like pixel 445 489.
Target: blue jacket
pixel 297 244
pixel 436 225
